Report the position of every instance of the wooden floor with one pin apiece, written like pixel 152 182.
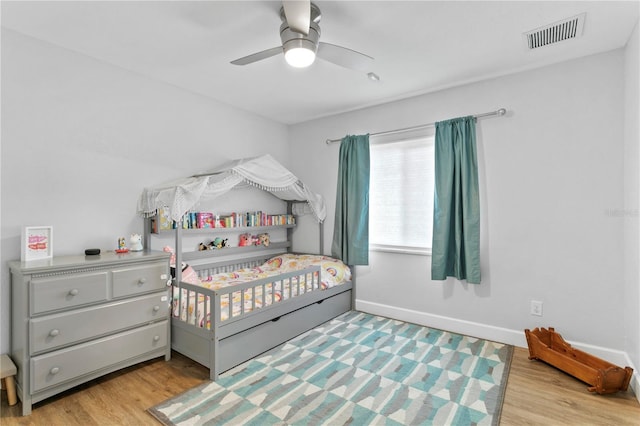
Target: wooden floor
pixel 537 394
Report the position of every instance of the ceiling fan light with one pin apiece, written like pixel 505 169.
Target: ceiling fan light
pixel 299 57
pixel 299 52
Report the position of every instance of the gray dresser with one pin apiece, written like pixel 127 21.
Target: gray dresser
pixel 75 318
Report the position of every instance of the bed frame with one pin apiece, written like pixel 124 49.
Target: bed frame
pixel 242 337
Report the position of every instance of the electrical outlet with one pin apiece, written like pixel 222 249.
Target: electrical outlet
pixel 536 308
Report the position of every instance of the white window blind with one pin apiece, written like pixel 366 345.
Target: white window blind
pixel 401 195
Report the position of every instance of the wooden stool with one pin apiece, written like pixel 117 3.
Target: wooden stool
pixel 7 371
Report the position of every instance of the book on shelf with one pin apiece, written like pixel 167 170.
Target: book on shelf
pixel 162 220
pixel 205 220
pixel 164 214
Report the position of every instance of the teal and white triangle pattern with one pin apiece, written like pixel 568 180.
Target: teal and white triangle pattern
pixel 357 369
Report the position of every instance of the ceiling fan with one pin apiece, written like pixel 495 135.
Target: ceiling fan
pixel 300 35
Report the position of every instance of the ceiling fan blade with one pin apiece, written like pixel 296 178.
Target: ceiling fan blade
pixel 345 57
pixel 298 14
pixel 255 57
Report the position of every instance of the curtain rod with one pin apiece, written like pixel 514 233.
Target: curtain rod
pixel 499 112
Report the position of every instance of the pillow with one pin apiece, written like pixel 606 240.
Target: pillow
pixel 333 271
pixel 189 275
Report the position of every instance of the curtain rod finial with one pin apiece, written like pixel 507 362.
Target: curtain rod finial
pixel 502 111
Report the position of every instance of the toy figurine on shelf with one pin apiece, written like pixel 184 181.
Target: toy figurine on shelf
pixel 245 240
pixel 217 243
pixel 264 239
pixel 122 246
pixel 220 242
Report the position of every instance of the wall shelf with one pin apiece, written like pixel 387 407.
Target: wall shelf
pixel 249 252
pixel 204 254
pixel 236 229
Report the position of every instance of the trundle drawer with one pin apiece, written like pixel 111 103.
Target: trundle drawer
pixel 140 279
pixel 53 331
pixel 256 340
pixel 67 364
pixel 68 291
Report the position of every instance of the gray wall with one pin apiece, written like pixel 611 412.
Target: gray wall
pixel 631 217
pixel 81 139
pixel 552 183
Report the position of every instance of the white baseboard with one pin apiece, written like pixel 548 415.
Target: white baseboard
pixel 635 379
pixel 496 334
pixel 493 333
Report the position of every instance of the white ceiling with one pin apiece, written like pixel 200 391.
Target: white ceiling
pixel 418 46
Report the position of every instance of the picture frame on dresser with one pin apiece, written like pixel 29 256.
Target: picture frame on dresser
pixel 36 243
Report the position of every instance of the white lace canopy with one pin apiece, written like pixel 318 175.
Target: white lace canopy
pixel 263 172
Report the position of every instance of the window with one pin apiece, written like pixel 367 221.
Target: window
pixel 401 194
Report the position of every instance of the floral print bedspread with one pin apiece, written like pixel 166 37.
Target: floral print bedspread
pixel 332 272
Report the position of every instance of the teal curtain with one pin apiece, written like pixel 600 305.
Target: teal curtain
pixel 456 212
pixel 351 229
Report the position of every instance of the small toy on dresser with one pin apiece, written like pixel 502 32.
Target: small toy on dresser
pixel 136 242
pixel 122 246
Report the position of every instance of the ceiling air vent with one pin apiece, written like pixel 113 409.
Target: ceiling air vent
pixel 553 33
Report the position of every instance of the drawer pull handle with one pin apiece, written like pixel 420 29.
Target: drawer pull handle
pixel 54 370
pixel 156 338
pixel 74 292
pixel 142 281
pixel 54 332
pixel 156 308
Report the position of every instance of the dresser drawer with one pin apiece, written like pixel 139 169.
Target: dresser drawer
pixel 53 331
pixel 139 279
pixel 67 364
pixel 67 291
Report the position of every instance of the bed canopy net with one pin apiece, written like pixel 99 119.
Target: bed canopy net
pixel 264 172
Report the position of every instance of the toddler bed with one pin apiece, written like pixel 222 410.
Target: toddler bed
pixel 221 319
pixel 226 312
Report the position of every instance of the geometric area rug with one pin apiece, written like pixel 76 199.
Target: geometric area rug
pixel 357 369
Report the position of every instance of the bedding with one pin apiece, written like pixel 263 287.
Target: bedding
pixel 332 272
